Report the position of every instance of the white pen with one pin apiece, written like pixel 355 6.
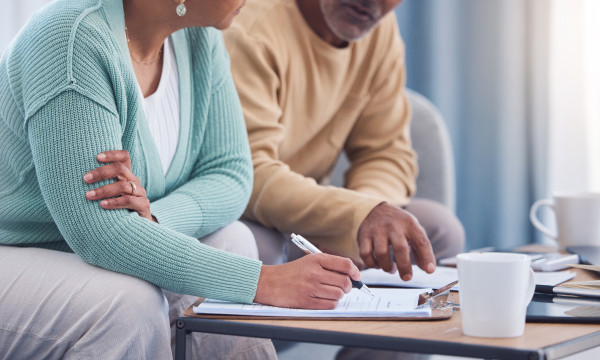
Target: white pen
pixel 305 245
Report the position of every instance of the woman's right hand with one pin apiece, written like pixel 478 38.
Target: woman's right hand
pixel 315 281
pixel 126 192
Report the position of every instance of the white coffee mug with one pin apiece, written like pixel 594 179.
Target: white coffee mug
pixel 495 289
pixel 577 219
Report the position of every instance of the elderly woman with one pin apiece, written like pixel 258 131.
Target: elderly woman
pixel 122 142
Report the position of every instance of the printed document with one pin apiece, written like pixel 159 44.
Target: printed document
pixel 387 302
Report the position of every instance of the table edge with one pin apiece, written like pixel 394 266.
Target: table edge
pixel 231 327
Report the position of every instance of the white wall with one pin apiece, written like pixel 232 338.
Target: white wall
pixel 13 15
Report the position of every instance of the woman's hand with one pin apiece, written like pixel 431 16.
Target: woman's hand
pixel 126 193
pixel 315 281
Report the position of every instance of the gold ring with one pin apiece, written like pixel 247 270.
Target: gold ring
pixel 133 187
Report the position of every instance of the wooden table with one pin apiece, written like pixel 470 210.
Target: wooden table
pixel 444 337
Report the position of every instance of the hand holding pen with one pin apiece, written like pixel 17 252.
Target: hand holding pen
pixel 309 248
pixel 315 281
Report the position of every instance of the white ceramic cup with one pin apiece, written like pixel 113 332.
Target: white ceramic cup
pixel 577 219
pixel 495 289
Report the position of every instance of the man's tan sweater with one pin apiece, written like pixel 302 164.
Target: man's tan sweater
pixel 304 102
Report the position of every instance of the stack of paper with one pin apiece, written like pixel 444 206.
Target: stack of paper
pixel 385 303
pixel 445 275
pixel 591 287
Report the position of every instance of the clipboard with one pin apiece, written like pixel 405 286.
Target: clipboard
pixel 436 314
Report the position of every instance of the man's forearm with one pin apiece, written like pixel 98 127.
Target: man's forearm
pixel 290 202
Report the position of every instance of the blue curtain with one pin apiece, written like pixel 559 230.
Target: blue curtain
pixel 474 60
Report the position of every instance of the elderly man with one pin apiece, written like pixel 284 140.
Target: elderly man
pixel 317 77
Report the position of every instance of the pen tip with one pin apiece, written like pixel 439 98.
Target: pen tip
pixel 367 290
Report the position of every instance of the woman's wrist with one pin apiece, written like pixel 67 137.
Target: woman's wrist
pixel 262 288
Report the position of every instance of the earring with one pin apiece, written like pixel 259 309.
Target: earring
pixel 181 9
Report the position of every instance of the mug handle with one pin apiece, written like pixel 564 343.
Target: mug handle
pixel 537 223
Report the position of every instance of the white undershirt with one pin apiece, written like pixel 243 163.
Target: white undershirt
pixel 162 109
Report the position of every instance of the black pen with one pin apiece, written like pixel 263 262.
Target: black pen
pixel 305 245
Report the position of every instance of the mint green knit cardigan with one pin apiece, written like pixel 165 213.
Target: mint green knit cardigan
pixel 67 93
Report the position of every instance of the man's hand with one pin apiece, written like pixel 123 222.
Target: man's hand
pixel 388 225
pixel 315 281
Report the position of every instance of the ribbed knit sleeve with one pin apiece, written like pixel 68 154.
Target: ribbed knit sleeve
pixel 221 180
pixel 65 136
